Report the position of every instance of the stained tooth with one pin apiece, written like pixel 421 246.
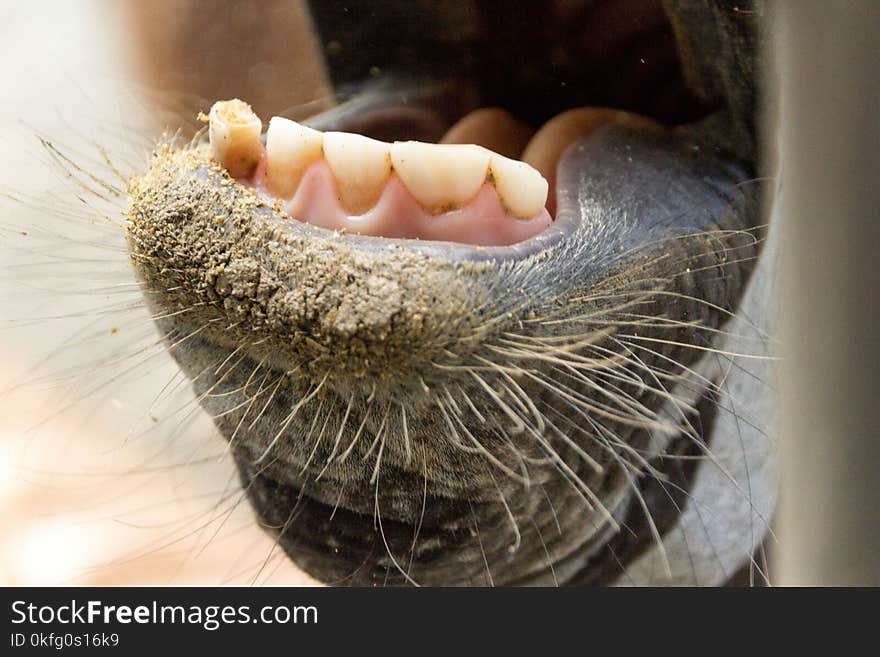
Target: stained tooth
pixel 290 149
pixel 234 133
pixel 440 175
pixel 522 190
pixel 361 166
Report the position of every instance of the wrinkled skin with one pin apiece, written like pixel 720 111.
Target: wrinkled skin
pixel 411 412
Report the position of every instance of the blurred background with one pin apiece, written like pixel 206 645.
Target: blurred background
pixel 95 488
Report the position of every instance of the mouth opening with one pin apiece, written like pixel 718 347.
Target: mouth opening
pixel 470 158
pixel 406 359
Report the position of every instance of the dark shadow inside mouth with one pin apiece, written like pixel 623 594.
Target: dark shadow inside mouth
pixel 441 61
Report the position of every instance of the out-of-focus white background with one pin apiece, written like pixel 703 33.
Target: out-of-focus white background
pixel 90 491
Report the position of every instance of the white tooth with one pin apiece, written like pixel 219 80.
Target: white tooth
pixel 361 167
pixel 290 149
pixel 234 133
pixel 522 190
pixel 440 175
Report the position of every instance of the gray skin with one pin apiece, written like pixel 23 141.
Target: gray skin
pixel 552 412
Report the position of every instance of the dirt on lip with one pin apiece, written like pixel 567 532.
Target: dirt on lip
pixel 215 254
pixel 212 256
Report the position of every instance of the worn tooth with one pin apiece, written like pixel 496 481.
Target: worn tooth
pixel 234 133
pixel 361 166
pixel 522 190
pixel 440 175
pixel 290 149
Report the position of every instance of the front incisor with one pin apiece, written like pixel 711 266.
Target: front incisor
pixel 234 133
pixel 360 166
pixel 440 176
pixel 522 190
pixel 290 149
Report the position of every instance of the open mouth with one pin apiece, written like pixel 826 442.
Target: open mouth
pixel 412 190
pixel 443 323
pixel 491 178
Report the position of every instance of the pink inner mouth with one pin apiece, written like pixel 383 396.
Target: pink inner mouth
pixel 482 221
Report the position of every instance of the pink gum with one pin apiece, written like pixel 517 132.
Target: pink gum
pixel 482 221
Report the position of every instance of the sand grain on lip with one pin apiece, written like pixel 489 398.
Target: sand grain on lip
pixel 308 298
